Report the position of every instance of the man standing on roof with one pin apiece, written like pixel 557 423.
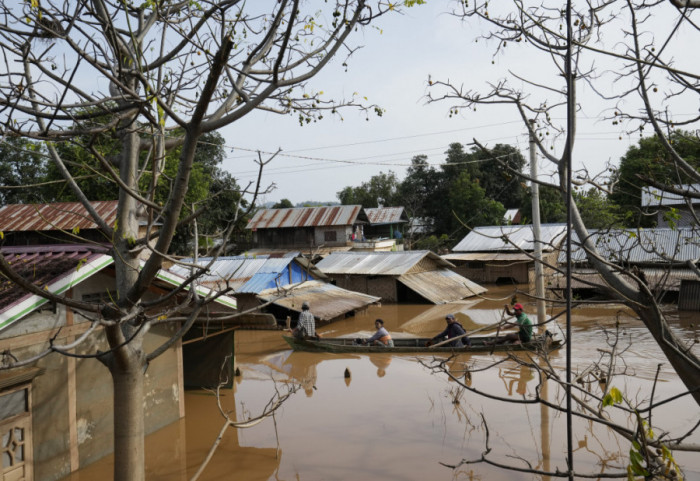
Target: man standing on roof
pixel 306 326
pixel 522 322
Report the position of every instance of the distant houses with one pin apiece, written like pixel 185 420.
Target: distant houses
pixel 504 254
pixel 410 276
pixel 324 229
pixel 661 257
pixel 281 283
pixel 673 209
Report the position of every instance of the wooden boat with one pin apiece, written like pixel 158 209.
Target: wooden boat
pixel 553 338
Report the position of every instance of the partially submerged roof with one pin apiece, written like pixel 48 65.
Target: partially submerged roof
pixel 326 300
pixel 658 245
pixel 252 274
pixel 57 216
pixel 653 197
pixel 53 268
pixel 377 263
pixel 324 216
pixel 58 268
pixel 386 215
pixel 520 237
pixel 441 286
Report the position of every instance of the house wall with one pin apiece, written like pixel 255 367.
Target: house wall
pixel 686 218
pixel 491 271
pixel 342 235
pixel 72 402
pixel 379 286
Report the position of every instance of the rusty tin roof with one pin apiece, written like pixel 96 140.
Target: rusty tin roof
pixel 386 215
pixel 336 215
pixel 57 216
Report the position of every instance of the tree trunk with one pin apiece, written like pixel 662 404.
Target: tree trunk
pixel 684 362
pixel 129 419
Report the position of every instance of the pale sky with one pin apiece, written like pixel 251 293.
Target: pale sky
pixel 392 69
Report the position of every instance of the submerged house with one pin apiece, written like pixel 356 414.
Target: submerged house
pixel 660 257
pixel 311 228
pixel 57 412
pixel 672 209
pixel 409 276
pixel 504 254
pixel 283 283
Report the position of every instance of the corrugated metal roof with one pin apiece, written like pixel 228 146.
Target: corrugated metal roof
pixel 487 256
pixel 490 238
pixel 653 197
pixel 386 215
pixel 246 274
pixel 326 300
pixel 661 244
pixel 657 278
pixel 305 217
pixel 376 263
pixel 62 215
pixel 441 286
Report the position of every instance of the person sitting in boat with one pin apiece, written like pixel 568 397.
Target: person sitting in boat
pixel 453 329
pixel 381 337
pixel 522 322
pixel 306 326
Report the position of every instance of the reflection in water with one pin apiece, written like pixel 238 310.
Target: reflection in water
pixel 402 423
pixel 520 375
pixel 382 362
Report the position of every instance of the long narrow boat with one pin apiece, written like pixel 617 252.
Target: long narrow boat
pixel 550 340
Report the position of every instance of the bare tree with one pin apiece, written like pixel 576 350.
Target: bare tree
pixel 597 401
pixel 612 35
pixel 153 76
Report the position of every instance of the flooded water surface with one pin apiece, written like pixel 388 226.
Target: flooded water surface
pixel 396 419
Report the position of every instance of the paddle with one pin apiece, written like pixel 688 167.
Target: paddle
pixel 442 343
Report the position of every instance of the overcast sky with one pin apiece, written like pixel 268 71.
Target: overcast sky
pixel 391 70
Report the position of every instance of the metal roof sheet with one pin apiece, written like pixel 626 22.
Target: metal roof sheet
pixel 520 237
pixel 326 300
pixel 57 216
pixel 441 286
pixel 659 245
pixel 653 197
pixel 386 215
pixel 376 263
pixel 305 217
pixel 488 256
pixel 245 274
pixel 53 268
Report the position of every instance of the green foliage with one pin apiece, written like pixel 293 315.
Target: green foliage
pixel 614 396
pixel 283 204
pixel 22 163
pixel 650 160
pixel 552 206
pixel 433 243
pixel 381 188
pixel 471 207
pixel 597 211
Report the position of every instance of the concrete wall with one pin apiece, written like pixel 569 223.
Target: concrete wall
pixel 380 286
pixel 72 402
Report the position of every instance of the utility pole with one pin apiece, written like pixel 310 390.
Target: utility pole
pixel 537 235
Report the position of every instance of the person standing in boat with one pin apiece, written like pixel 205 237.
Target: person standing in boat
pixel 306 326
pixel 522 322
pixel 381 337
pixel 453 329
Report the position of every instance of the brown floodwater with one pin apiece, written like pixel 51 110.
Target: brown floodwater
pixel 395 419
